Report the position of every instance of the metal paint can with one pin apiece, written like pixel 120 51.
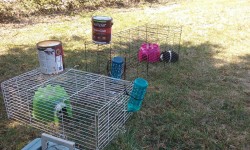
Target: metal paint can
pixel 50 55
pixel 101 29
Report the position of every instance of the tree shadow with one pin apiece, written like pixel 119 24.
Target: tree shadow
pixel 194 84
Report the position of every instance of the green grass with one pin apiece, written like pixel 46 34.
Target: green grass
pixel 200 103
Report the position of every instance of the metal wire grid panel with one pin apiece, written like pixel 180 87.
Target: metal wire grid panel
pixel 127 44
pixel 86 108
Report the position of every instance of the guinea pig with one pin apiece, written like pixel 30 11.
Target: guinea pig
pixel 169 56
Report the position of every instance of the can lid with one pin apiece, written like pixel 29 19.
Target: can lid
pixel 48 43
pixel 104 18
pixel 118 60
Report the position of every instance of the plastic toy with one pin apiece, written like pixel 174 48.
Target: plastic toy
pixel 149 52
pixel 137 95
pixel 50 103
pixel 117 67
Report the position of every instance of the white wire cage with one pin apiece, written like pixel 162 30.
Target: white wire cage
pixel 83 107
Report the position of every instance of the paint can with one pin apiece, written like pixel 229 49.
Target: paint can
pixel 50 55
pixel 101 29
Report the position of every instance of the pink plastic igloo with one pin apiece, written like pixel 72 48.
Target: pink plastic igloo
pixel 149 52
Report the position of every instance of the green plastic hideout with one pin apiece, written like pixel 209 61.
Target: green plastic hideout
pixel 50 103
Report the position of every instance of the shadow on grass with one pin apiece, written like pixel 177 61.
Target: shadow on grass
pixel 191 104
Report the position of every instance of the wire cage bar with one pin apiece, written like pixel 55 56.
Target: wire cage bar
pixel 87 108
pixel 127 44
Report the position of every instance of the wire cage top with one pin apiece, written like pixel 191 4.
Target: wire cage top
pixel 127 44
pixel 83 107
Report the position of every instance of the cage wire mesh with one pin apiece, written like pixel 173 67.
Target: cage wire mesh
pixel 83 107
pixel 127 44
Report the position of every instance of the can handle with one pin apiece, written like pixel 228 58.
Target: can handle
pixel 46 137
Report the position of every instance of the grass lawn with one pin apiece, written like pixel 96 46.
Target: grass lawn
pixel 200 103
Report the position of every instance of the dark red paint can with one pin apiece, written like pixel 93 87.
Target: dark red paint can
pixel 101 29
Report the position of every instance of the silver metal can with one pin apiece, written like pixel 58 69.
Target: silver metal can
pixel 50 55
